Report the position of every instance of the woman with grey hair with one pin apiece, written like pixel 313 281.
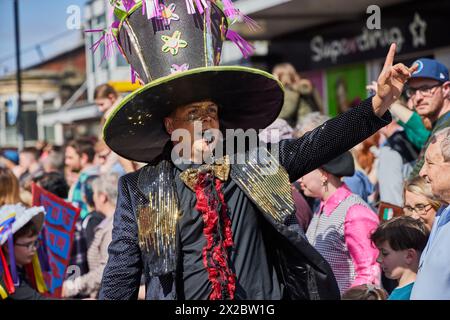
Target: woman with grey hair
pixel 105 189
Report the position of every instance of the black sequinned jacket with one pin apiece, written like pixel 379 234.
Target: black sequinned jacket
pixel 302 271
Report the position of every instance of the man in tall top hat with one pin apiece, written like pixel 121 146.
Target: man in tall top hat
pixel 210 229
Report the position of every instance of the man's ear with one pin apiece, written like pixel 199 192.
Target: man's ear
pixel 446 89
pixel 103 198
pixel 84 158
pixel 168 123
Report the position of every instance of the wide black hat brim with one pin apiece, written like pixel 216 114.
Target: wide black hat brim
pixel 248 99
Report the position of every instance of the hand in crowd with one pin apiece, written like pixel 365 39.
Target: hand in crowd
pixel 390 82
pixel 290 78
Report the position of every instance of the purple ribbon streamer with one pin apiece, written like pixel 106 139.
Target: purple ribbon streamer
pixel 190 6
pixel 42 253
pixel 12 260
pixel 128 4
pixel 199 6
pixel 246 48
pixel 229 9
pixel 133 75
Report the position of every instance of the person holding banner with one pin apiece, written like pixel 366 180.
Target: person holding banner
pixel 20 272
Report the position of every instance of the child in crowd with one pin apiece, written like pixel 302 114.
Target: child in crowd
pixel 20 273
pixel 400 241
pixel 365 292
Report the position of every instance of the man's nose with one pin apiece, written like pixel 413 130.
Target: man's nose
pixel 423 172
pixel 417 99
pixel 415 215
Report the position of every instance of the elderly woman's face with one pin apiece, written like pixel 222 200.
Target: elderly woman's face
pixel 419 207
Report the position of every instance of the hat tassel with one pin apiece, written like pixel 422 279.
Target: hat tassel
pixel 12 260
pixel 201 5
pixel 128 4
pixel 246 48
pixel 108 40
pixel 229 9
pixel 6 274
pixel 35 274
pixel 3 294
pixel 151 8
pixel 250 23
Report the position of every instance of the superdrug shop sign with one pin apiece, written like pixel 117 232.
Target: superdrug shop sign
pixel 414 26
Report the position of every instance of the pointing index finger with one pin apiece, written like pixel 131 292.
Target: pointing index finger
pixel 390 57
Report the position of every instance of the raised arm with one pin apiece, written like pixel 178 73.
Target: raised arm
pixel 340 134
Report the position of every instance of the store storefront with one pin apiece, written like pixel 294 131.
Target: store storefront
pixel 341 58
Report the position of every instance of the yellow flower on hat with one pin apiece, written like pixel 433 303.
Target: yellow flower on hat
pixel 174 43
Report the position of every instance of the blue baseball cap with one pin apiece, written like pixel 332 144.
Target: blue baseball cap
pixel 430 69
pixel 11 155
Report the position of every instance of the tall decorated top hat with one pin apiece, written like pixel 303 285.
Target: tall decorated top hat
pixel 174 49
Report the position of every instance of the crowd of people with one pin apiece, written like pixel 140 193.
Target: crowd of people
pixel 358 210
pixel 338 206
pixel 339 216
pixel 362 202
pixel 85 173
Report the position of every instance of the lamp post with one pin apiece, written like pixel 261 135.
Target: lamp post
pixel 19 124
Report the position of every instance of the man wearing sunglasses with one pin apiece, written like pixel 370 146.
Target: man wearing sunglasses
pixel 429 90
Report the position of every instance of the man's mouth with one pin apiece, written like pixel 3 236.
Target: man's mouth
pixel 208 136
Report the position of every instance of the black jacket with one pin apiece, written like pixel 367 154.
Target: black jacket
pixel 303 272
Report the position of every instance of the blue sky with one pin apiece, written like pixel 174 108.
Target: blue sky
pixel 40 20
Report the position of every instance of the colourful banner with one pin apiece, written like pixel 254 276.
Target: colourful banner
pixel 58 234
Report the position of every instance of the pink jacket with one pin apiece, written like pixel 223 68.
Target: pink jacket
pixel 359 223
